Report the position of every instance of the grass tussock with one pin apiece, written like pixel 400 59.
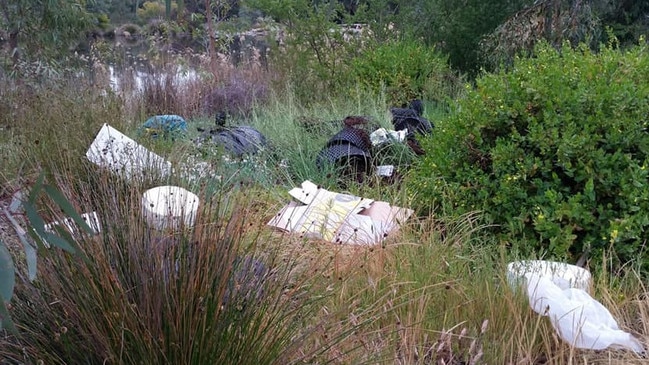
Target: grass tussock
pixel 207 294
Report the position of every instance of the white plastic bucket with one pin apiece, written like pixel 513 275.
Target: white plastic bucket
pixel 169 207
pixel 563 275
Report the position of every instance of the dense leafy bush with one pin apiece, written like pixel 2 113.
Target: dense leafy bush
pixel 151 10
pixel 554 152
pixel 406 69
pixel 319 56
pixel 310 49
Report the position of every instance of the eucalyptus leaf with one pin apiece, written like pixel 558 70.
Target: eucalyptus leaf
pixel 31 256
pixel 5 319
pixel 67 207
pixel 36 189
pixel 34 218
pixel 7 274
pixel 59 242
pixel 40 242
pixel 65 235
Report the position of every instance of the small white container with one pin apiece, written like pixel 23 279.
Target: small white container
pixel 385 170
pixel 563 275
pixel 169 207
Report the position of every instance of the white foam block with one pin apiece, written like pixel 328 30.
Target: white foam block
pixel 114 150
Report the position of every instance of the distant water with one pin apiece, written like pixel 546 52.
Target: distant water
pixel 136 62
pixel 133 80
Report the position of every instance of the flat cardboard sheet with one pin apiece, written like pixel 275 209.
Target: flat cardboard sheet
pixel 338 218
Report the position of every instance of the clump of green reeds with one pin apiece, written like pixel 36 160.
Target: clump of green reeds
pixel 225 291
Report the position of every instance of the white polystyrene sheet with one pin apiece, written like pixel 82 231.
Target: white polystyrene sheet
pixel 385 170
pixel 114 150
pixel 169 207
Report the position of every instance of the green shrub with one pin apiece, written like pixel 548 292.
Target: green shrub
pixel 151 10
pixel 554 152
pixel 406 69
pixel 315 56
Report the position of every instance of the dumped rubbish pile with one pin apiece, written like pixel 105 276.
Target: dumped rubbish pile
pixel 165 209
pixel 232 143
pixel 235 140
pixel 356 153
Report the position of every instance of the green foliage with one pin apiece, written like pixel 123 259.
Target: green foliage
pixel 454 29
pixel 39 233
pixel 404 70
pixel 40 29
pixel 555 21
pixel 152 10
pixel 320 56
pixel 315 51
pixel 555 153
pixel 627 20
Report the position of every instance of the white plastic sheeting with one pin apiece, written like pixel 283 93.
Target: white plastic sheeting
pixel 578 318
pixel 383 135
pixel 561 292
pixel 561 274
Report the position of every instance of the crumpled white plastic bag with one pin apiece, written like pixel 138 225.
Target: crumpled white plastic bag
pixel 578 318
pixel 383 135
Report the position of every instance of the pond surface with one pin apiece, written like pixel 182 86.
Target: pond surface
pixel 134 61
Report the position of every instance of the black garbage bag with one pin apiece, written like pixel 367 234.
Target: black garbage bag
pixel 350 149
pixel 237 141
pixel 411 118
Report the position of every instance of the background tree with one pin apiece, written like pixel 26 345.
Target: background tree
pixel 42 29
pixel 628 19
pixel 455 30
pixel 558 21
